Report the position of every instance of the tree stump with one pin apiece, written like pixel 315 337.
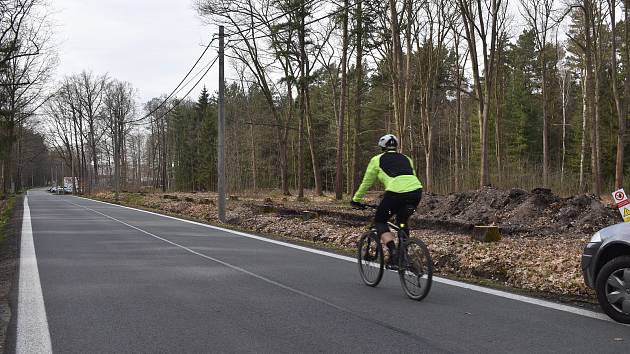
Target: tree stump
pixel 486 233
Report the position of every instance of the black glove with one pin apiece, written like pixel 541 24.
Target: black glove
pixel 357 205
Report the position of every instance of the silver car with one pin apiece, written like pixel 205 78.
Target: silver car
pixel 606 268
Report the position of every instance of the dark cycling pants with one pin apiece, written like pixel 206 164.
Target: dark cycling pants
pixel 401 204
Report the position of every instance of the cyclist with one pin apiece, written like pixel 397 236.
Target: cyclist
pixel 403 190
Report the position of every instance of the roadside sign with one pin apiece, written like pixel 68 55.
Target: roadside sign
pixel 621 199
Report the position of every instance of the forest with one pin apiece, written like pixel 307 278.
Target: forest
pixel 527 93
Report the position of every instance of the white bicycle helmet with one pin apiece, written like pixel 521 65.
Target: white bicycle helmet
pixel 388 141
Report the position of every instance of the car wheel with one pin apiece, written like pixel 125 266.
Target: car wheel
pixel 613 289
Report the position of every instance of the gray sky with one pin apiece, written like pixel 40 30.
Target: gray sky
pixel 150 43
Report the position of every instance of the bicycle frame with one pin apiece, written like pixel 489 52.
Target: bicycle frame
pixel 397 228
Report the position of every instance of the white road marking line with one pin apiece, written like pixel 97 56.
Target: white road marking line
pixel 33 335
pixel 481 289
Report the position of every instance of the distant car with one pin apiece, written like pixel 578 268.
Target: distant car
pixel 67 189
pixel 606 268
pixel 58 190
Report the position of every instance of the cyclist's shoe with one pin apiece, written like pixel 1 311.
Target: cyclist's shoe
pixel 392 262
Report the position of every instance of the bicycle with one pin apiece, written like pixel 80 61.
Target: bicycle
pixel 415 267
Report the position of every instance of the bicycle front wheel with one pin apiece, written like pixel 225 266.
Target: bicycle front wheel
pixel 416 269
pixel 370 259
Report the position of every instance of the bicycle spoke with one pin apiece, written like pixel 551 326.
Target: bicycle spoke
pixel 417 274
pixel 370 259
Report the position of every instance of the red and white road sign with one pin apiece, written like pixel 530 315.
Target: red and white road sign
pixel 621 199
pixel 619 195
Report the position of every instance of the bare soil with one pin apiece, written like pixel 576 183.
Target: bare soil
pixel 544 234
pixel 518 212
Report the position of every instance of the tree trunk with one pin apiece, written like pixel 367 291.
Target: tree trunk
pixel 621 102
pixel 396 72
pixel 545 143
pixel 585 114
pixel 564 93
pixel 458 129
pixel 595 144
pixel 498 96
pixel 482 92
pixel 284 165
pixel 407 74
pixel 429 156
pixel 303 83
pixel 483 134
pixel 317 174
pixel 94 154
pixel 253 156
pixel 342 107
pixel 356 150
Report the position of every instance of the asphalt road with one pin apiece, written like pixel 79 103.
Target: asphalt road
pixel 119 280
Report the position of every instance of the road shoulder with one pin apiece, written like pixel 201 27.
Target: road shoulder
pixel 9 260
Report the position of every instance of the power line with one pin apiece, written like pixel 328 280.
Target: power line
pixel 193 77
pixel 175 90
pixel 178 102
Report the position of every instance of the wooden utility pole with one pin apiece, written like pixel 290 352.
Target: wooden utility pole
pixel 221 129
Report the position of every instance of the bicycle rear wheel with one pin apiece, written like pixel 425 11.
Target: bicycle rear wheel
pixel 370 259
pixel 416 269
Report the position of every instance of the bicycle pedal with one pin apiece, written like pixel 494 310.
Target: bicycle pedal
pixel 391 267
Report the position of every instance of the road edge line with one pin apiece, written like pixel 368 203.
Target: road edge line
pixel 33 335
pixel 459 284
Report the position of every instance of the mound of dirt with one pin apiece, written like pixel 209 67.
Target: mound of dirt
pixel 516 211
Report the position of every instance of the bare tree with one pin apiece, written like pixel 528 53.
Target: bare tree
pixel 476 20
pixel 119 107
pixel 252 23
pixel 585 119
pixel 591 47
pixel 17 18
pixel 59 111
pixel 26 62
pixel 160 149
pixel 358 99
pixel 564 80
pixel 431 52
pixel 342 104
pixel 90 90
pixel 621 99
pixel 460 64
pixel 538 14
